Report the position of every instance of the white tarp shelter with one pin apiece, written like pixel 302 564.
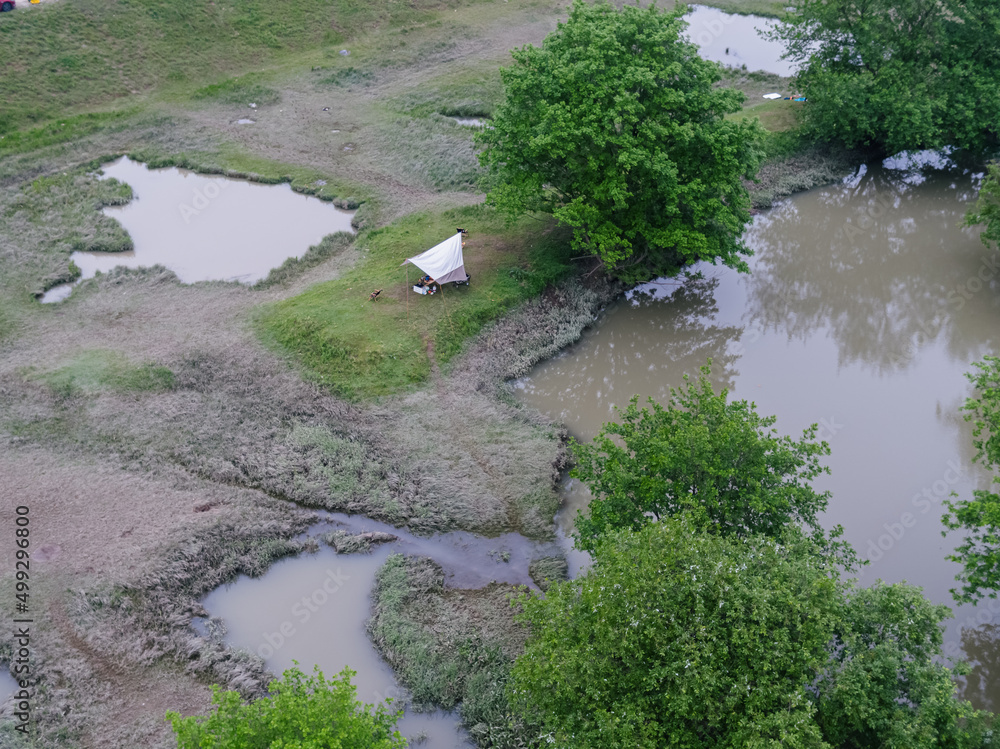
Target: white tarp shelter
pixel 442 262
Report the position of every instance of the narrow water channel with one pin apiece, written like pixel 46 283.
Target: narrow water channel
pixel 865 304
pixel 313 609
pixel 208 228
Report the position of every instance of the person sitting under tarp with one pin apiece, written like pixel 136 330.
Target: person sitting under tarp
pixel 426 285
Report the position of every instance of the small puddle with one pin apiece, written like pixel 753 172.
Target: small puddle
pixel 8 685
pixel 207 228
pixel 313 609
pixel 245 121
pixel 732 40
pixel 57 293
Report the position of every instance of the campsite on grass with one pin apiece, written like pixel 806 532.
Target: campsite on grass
pixel 443 263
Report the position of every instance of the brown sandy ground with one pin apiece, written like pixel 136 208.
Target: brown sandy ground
pixel 98 527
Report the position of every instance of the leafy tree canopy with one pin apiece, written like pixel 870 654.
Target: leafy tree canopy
pixel 678 638
pixel 302 712
pixel 714 460
pixel 987 208
pixel 614 126
pixel 894 75
pixel 884 684
pixel 979 517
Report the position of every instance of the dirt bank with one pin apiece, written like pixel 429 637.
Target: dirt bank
pixel 97 527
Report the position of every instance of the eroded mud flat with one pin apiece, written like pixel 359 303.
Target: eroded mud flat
pixel 865 304
pixel 208 228
pixel 734 40
pixel 313 609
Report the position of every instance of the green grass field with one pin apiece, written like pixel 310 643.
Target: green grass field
pixel 85 53
pixel 360 348
pixel 66 57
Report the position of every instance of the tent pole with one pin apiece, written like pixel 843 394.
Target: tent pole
pixel 447 311
pixel 407 292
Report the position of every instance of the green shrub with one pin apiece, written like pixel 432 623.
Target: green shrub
pixel 302 711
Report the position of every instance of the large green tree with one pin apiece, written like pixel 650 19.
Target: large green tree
pixel 615 126
pixel 302 712
pixel 717 461
pixel 884 684
pixel 893 75
pixel 680 639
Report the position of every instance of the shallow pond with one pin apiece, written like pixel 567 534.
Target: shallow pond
pixel 733 40
pixel 208 228
pixel 865 304
pixel 268 615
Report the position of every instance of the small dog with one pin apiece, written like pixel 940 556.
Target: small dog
pixel 374 295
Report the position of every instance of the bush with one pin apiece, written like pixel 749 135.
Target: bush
pixel 302 712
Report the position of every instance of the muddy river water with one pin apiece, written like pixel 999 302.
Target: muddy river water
pixel 865 304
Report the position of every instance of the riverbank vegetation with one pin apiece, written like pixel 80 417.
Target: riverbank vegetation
pixel 690 629
pixel 979 517
pixel 300 710
pixel 731 613
pixel 716 461
pixel 679 636
pixel 452 648
pixel 986 212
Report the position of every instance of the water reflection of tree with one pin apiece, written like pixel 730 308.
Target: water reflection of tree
pixel 642 346
pixel 877 261
pixel 982 651
pixel 951 417
pixel 694 337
